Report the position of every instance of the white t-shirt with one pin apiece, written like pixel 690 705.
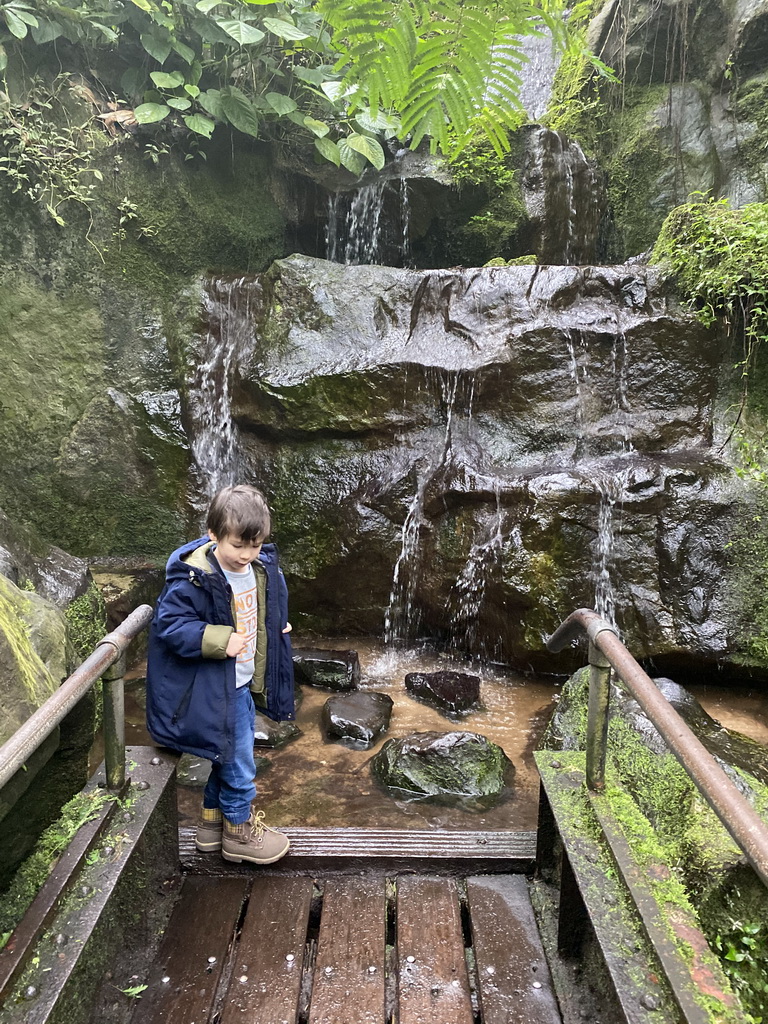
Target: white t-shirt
pixel 244 589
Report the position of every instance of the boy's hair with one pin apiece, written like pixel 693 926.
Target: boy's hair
pixel 241 512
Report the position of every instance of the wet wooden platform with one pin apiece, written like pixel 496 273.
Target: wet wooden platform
pixel 364 948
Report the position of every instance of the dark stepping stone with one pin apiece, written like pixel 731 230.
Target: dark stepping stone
pixel 358 717
pixel 451 692
pixel 335 670
pixel 273 734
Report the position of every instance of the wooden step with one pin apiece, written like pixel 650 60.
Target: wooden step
pixel 321 848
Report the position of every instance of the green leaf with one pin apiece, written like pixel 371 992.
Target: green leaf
pixel 25 16
pixel 186 53
pixel 133 81
pixel 155 47
pixel 207 5
pixel 319 128
pixel 280 103
pixel 239 111
pixel 192 90
pixel 179 102
pixel 199 124
pixel 109 33
pixel 350 158
pixel 210 101
pixel 314 76
pixel 3 58
pixel 284 29
pixel 328 149
pixel 241 31
pixel 148 113
pixel 369 148
pixel 15 25
pixel 145 5
pixel 164 80
pixel 333 90
pixel 46 31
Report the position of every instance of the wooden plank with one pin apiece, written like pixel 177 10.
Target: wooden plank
pixel 350 965
pixel 266 977
pixel 182 986
pixel 433 983
pixel 370 844
pixel 513 977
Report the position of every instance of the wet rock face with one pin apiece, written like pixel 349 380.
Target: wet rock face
pixel 454 764
pixel 335 670
pixel 473 454
pixel 54 574
pixel 452 692
pixel 357 718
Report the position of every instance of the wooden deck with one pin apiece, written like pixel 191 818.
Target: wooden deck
pixel 364 948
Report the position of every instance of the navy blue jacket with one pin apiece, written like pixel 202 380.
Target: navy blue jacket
pixel 189 694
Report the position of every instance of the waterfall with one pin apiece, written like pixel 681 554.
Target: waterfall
pixel 609 481
pixel 468 592
pixel 564 197
pixel 370 224
pixel 220 348
pixel 401 620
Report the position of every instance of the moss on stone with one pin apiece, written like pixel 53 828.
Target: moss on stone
pixel 28 879
pixel 87 620
pixel 23 660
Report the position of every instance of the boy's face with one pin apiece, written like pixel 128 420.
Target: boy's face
pixel 234 553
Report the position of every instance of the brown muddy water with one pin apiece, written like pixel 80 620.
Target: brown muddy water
pixel 316 783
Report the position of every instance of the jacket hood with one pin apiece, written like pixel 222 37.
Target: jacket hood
pixel 194 558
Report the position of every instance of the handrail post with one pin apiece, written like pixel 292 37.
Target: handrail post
pixel 113 722
pixel 597 717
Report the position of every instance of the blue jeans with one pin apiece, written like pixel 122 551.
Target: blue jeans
pixel 231 786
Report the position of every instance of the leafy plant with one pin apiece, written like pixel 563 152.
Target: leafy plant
pixel 338 75
pixel 743 951
pixel 49 162
pixel 720 259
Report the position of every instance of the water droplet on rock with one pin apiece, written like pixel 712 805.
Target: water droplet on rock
pixel 165 980
pixel 490 970
pixel 61 939
pixel 143 785
pixel 411 959
pixel 30 992
pixel 537 984
pixel 649 1002
pixel 86 890
pixel 290 957
pixel 155 760
pixel 243 978
pixel 211 959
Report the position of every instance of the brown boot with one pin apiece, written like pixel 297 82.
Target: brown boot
pixel 253 841
pixel 209 828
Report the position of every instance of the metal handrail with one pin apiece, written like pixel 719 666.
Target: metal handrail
pixel 109 651
pixel 745 826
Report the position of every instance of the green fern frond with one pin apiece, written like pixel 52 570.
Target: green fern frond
pixel 447 68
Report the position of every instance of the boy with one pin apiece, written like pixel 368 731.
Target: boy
pixel 218 642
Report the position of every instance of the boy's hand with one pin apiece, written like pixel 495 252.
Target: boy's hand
pixel 288 627
pixel 235 645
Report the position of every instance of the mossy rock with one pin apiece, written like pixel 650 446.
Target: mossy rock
pixel 34 654
pixel 439 765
